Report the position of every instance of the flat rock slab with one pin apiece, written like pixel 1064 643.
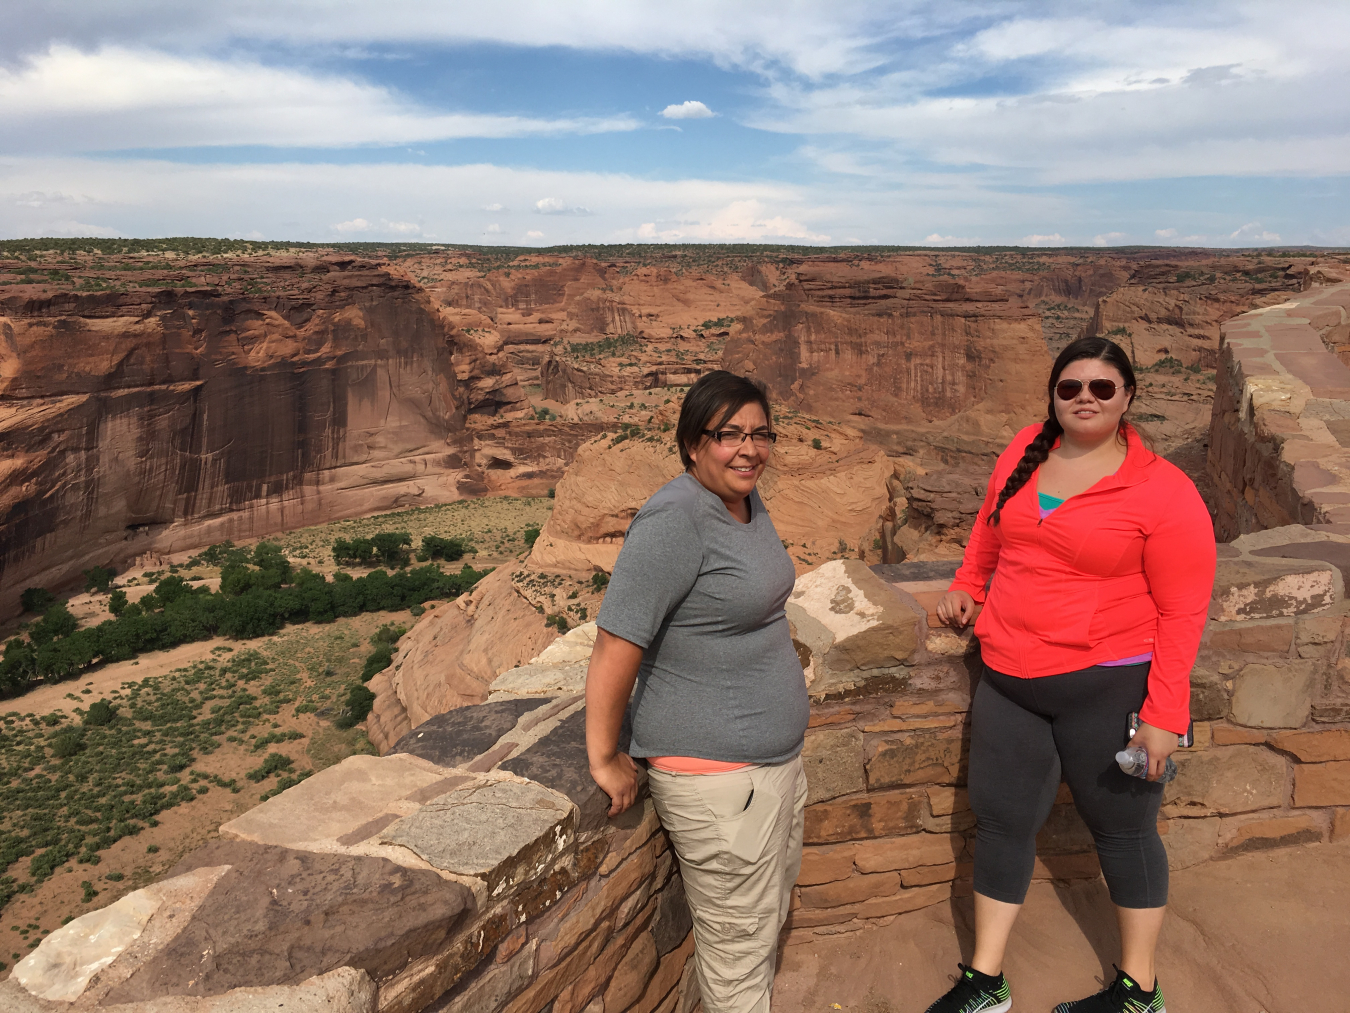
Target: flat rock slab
pixel 916 570
pixel 279 917
pixel 501 832
pixel 345 990
pixel 1270 588
pixel 454 738
pixel 345 806
pixel 559 761
pixel 540 679
pixel 1335 553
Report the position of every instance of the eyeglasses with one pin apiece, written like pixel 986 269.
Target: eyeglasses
pixel 1102 390
pixel 734 437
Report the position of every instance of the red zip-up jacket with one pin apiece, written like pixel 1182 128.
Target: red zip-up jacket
pixel 1125 568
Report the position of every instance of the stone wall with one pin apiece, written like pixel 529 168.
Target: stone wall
pixel 472 869
pixel 1279 442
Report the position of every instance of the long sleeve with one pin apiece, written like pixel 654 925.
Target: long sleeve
pixel 982 551
pixel 1179 561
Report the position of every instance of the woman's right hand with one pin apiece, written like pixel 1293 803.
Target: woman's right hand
pixel 956 608
pixel 617 778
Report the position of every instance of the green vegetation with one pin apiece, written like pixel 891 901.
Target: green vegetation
pixel 383 640
pixel 816 444
pixel 606 348
pixel 69 791
pixel 259 594
pixel 37 599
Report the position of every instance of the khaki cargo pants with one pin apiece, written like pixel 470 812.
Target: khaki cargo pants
pixel 739 863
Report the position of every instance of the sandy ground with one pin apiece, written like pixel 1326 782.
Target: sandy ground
pixel 1261 933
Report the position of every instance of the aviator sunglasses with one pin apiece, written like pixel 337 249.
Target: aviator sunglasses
pixel 1102 390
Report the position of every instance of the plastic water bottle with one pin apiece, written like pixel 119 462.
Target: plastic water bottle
pixel 1134 761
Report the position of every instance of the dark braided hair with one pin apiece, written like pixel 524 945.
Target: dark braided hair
pixel 1039 448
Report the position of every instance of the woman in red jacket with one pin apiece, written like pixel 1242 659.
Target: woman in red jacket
pixel 1094 559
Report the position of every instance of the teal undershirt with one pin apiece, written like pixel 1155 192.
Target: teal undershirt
pixel 1048 503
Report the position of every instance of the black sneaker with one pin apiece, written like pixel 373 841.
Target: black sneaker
pixel 1122 996
pixel 975 992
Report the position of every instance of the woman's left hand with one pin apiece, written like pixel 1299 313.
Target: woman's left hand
pixel 1160 744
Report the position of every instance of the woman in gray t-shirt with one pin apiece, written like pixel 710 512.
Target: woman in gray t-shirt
pixel 694 617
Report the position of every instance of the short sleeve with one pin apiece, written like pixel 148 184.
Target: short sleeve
pixel 657 568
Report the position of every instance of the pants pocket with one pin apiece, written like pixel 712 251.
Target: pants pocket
pixel 750 832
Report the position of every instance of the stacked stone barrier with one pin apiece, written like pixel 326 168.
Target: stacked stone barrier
pixel 1279 440
pixel 473 868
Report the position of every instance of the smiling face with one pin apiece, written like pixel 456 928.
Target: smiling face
pixel 1084 417
pixel 731 472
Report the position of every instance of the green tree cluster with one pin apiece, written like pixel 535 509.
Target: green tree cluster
pixel 259 593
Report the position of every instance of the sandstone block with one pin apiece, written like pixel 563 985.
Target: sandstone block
pixel 1254 638
pixel 1318 631
pixel 953 824
pixel 868 624
pixel 1322 784
pixel 454 738
pixel 277 917
pixel 1231 735
pixel 1209 695
pixel 853 890
pixel 558 761
pixel 1223 780
pixel 943 801
pixel 917 757
pixel 1274 696
pixel 500 832
pixel 664 984
pixel 591 981
pixel 929 874
pixel 489 991
pixel 546 986
pixel 1340 824
pixel 622 884
pixel 826 865
pixel 1258 832
pixel 539 680
pixel 884 814
pixel 909 852
pixel 833 761
pixel 672 922
pixel 630 978
pixel 906 900
pixel 1271 588
pixel 1189 842
pixel 1318 746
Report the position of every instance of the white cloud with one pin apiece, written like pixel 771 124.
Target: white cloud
pixel 739 221
pixel 494 228
pixel 690 110
pixel 1165 233
pixel 494 207
pixel 384 228
pixel 534 234
pixel 937 239
pixel 355 225
pixel 1107 239
pixel 1054 239
pixel 116 98
pixel 555 206
pixel 1253 232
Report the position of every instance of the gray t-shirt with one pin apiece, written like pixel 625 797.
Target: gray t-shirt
pixel 703 595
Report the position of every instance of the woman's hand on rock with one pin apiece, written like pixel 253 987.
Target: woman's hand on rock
pixel 1160 744
pixel 956 608
pixel 617 778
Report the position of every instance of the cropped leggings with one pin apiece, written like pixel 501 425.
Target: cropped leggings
pixel 1026 734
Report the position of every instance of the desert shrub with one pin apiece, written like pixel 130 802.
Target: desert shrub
pixel 37 599
pixel 599 580
pixel 531 536
pixel 100 713
pixel 99 578
pixel 359 702
pixel 67 742
pixel 273 763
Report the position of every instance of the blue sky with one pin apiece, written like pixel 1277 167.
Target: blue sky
pixel 532 123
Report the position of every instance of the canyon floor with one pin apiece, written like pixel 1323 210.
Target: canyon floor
pixel 1274 943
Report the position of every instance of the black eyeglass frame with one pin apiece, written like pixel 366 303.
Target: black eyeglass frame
pixel 1097 388
pixel 717 437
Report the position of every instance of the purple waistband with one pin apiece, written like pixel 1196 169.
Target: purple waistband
pixel 1138 659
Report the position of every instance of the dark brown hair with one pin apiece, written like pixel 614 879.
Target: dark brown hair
pixel 710 402
pixel 1039 449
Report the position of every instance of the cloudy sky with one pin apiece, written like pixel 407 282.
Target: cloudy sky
pixel 533 122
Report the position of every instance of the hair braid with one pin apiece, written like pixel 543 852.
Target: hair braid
pixel 1032 458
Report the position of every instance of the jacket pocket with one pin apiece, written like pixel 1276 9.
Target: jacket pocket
pixel 1065 616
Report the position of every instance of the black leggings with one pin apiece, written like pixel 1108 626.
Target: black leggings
pixel 1024 733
